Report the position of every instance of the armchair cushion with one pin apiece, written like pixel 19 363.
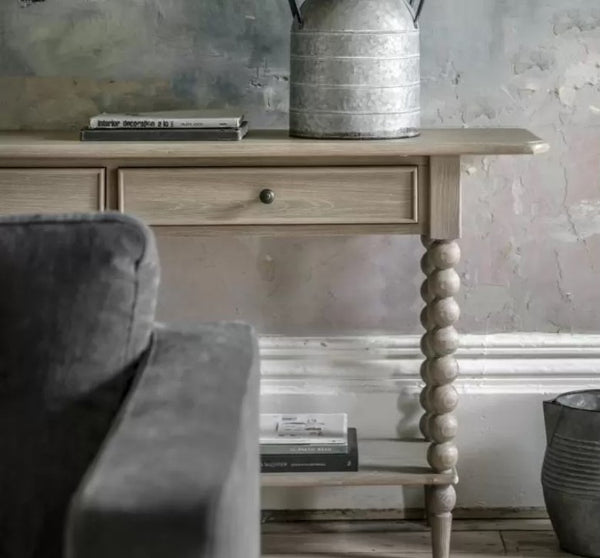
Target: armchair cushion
pixel 179 472
pixel 76 314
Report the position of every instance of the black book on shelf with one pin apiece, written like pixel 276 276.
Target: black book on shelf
pixel 164 134
pixel 313 462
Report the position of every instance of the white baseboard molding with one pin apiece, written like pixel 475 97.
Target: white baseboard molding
pixel 494 363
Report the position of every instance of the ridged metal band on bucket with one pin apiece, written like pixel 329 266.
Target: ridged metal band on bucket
pixel 336 98
pixel 380 45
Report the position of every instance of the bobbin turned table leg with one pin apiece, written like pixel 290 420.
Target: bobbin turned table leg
pixel 442 501
pixel 439 370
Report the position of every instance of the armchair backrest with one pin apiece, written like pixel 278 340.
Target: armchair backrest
pixel 77 301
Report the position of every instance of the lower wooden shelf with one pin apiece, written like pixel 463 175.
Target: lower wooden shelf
pixel 381 463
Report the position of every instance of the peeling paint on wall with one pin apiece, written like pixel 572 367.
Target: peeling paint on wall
pixel 578 223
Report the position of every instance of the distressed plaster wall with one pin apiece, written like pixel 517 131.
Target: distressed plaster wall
pixel 531 225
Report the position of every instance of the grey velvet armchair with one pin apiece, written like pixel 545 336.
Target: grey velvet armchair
pixel 118 437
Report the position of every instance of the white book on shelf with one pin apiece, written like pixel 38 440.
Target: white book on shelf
pixel 304 428
pixel 202 118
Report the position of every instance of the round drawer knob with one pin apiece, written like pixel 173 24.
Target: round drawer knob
pixel 267 196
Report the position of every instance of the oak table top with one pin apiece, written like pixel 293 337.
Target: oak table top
pixel 276 146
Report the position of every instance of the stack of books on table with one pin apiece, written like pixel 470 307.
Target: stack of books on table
pixel 307 443
pixel 174 125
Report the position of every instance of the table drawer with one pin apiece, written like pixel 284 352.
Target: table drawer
pixel 218 196
pixel 51 190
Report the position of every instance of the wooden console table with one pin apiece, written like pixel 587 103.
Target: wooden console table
pixel 271 184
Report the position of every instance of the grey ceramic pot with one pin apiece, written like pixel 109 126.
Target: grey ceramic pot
pixel 571 470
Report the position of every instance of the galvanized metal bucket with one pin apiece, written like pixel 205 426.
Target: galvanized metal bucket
pixel 355 69
pixel 571 470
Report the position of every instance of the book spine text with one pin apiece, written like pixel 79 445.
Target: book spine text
pixel 304 464
pixel 150 123
pixel 285 449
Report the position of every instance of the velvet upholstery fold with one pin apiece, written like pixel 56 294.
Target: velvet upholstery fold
pixel 178 474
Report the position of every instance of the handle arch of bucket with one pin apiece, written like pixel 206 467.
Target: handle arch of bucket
pixel 418 8
pixel 416 5
pixel 296 12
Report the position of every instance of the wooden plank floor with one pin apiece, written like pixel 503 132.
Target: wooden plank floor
pixel 405 539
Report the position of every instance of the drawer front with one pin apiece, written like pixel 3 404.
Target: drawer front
pixel 217 196
pixel 51 190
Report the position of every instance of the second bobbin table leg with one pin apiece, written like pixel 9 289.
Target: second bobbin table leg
pixel 439 398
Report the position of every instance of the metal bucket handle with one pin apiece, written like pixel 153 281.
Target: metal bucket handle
pixel 417 10
pixel 296 12
pixel 298 15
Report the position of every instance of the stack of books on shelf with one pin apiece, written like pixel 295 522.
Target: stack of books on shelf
pixel 301 443
pixel 174 125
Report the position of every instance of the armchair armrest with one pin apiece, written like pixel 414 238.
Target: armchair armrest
pixel 178 474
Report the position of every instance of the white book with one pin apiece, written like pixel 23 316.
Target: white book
pixel 206 118
pixel 304 428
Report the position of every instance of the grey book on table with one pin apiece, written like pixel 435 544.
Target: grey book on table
pixel 314 462
pixel 299 449
pixel 164 134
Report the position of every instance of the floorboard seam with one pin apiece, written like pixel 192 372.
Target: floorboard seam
pixel 503 542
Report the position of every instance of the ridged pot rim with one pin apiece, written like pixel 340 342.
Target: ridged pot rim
pixel 560 400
